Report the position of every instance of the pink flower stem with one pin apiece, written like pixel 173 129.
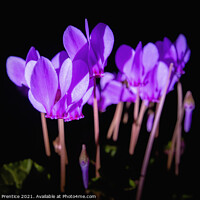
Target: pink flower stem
pixel 138 126
pixel 176 139
pixel 114 126
pixel 151 138
pixel 62 154
pixel 45 134
pixel 118 119
pixel 133 130
pixel 96 130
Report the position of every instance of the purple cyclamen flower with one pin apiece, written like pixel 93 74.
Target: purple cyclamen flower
pixel 135 64
pixel 189 106
pixel 112 90
pixel 94 49
pixel 55 92
pixel 177 53
pixel 156 80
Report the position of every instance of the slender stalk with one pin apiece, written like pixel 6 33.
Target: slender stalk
pixel 45 134
pixel 176 139
pixel 151 138
pixel 138 125
pixel 113 123
pixel 62 155
pixel 118 119
pixel 96 116
pixel 96 130
pixel 135 115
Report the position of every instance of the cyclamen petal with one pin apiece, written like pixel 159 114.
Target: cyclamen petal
pixel 150 56
pixel 37 105
pixel 181 45
pixel 65 76
pixel 124 58
pixel 73 40
pixel 33 54
pixel 28 71
pixel 102 40
pixel 80 81
pixel 15 67
pixel 44 83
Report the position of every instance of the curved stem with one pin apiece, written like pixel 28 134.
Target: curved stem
pixel 151 138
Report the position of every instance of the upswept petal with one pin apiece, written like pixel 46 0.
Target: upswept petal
pixel 33 54
pixel 80 81
pixel 137 67
pixel 15 67
pixel 73 40
pixel 37 105
pixel 65 76
pixel 124 58
pixel 187 56
pixel 181 46
pixel 102 40
pixel 150 56
pixel 44 83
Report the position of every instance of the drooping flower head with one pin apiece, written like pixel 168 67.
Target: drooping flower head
pixel 177 53
pixel 94 49
pixel 135 64
pixel 55 92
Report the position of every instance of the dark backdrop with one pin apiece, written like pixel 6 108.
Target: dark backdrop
pixel 23 26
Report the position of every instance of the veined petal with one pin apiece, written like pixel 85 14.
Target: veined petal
pixel 33 54
pixel 73 40
pixel 44 83
pixel 102 40
pixel 15 67
pixel 181 45
pixel 80 81
pixel 150 56
pixel 37 105
pixel 124 58
pixel 65 76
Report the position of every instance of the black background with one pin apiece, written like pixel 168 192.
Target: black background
pixel 42 26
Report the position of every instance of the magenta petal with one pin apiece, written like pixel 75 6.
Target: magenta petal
pixel 73 40
pixel 15 67
pixel 150 56
pixel 65 76
pixel 124 58
pixel 44 83
pixel 33 54
pixel 80 81
pixel 181 45
pixel 87 30
pixel 102 40
pixel 37 105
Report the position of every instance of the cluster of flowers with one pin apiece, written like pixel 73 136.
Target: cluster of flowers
pixel 61 86
pixel 145 69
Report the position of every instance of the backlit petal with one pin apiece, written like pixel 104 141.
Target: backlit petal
pixel 15 67
pixel 44 83
pixel 73 40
